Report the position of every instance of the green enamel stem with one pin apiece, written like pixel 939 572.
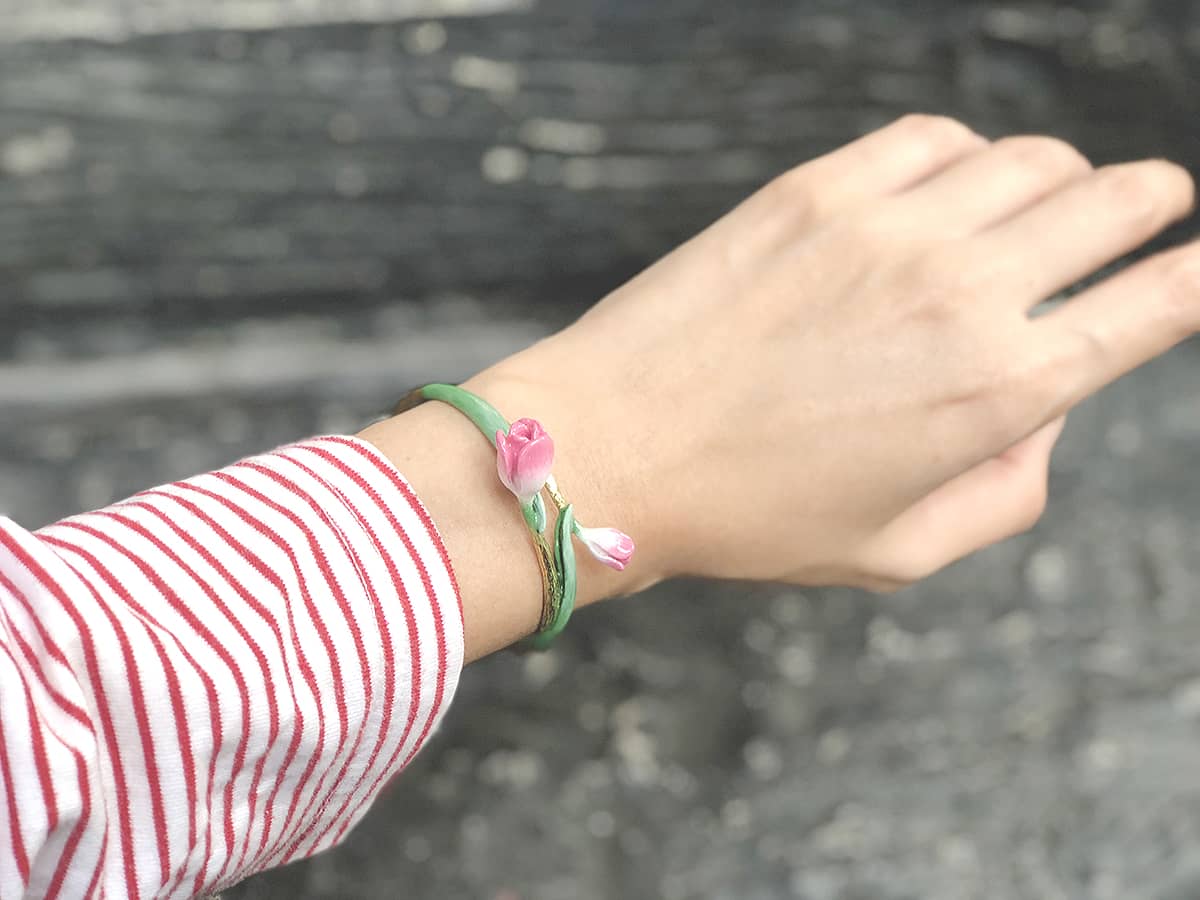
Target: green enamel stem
pixel 487 419
pixel 564 552
pixel 485 416
pixel 535 514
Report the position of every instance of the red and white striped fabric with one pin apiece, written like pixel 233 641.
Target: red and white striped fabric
pixel 216 676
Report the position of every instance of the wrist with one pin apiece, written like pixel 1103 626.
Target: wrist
pixel 453 472
pixel 591 472
pixel 452 468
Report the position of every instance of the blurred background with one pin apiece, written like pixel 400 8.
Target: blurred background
pixel 228 224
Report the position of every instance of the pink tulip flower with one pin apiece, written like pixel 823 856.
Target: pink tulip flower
pixel 613 548
pixel 524 458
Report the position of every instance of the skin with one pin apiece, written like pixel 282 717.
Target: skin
pixel 839 382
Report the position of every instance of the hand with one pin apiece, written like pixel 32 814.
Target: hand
pixel 840 381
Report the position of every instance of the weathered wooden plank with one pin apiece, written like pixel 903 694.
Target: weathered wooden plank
pixel 487 152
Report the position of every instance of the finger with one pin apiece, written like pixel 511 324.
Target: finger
pixel 983 188
pixel 1082 227
pixel 996 499
pixel 881 163
pixel 1120 323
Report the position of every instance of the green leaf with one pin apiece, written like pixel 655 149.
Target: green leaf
pixel 564 556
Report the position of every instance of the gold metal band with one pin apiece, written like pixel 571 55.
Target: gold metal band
pixel 550 588
pixel 552 488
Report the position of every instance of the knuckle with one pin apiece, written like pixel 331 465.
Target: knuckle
pixel 789 180
pixel 1185 182
pixel 1173 184
pixel 794 189
pixel 1131 193
pixel 1048 155
pixel 1170 173
pixel 936 130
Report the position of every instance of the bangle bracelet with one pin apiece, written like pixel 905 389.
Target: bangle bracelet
pixel 524 457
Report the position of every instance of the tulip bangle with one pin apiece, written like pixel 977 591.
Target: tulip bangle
pixel 524 457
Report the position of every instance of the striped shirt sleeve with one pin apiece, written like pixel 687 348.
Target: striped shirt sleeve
pixel 216 676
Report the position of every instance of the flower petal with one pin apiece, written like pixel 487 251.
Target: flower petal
pixel 524 458
pixel 611 547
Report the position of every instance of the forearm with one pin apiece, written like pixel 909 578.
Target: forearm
pixel 278 638
pixel 219 675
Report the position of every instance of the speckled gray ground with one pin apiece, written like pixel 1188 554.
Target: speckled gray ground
pixel 228 224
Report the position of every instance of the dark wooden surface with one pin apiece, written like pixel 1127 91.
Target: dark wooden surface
pixel 224 225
